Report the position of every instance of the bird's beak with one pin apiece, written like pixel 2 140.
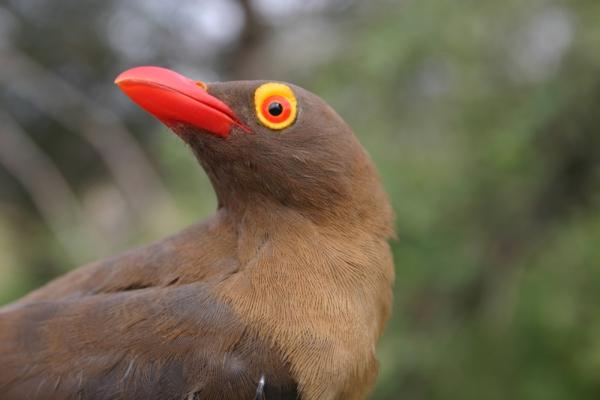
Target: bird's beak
pixel 174 99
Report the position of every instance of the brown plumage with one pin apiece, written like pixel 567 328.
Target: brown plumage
pixel 290 279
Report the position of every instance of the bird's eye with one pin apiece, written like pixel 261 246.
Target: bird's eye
pixel 276 105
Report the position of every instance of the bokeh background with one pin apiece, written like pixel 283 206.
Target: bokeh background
pixel 483 118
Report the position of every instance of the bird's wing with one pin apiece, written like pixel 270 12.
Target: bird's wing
pixel 192 255
pixel 157 343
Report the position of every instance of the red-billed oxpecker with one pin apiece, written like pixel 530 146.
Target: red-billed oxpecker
pixel 281 294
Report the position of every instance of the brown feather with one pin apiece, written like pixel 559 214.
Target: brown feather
pixel 171 343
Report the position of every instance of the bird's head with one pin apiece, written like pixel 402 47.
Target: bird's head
pixel 262 140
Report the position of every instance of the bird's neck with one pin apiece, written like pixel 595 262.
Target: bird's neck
pixel 320 292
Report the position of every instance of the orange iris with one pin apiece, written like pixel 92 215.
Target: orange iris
pixel 276 105
pixel 276 109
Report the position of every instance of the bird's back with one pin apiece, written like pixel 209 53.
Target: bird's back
pixel 171 343
pixel 97 334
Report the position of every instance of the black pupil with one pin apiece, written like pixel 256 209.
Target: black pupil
pixel 275 109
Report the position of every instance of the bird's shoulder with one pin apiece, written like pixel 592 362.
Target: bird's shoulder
pixel 198 253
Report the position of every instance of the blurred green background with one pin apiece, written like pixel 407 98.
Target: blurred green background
pixel 483 118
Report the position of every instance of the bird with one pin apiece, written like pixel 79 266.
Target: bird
pixel 283 293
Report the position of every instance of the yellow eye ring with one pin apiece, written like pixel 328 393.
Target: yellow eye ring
pixel 276 105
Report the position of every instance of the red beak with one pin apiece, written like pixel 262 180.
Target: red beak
pixel 173 99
